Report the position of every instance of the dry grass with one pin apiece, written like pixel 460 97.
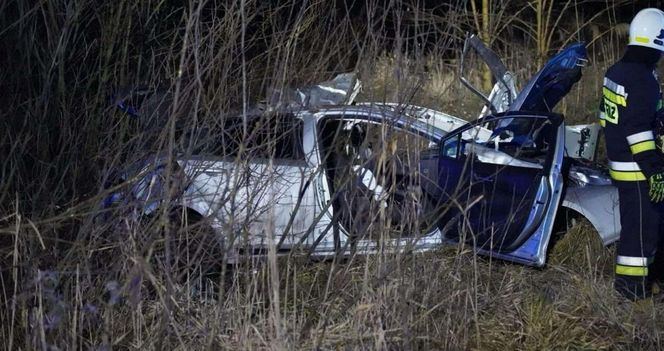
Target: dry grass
pixel 69 280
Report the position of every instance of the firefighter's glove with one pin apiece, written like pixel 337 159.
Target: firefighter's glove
pixel 659 130
pixel 656 192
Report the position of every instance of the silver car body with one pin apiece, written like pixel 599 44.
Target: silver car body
pixel 262 203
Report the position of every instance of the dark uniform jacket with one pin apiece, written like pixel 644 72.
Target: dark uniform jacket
pixel 631 99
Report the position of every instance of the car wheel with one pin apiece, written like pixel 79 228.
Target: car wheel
pixel 195 256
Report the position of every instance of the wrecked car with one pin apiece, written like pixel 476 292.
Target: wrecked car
pixel 322 174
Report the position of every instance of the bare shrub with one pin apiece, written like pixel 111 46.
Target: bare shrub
pixel 78 275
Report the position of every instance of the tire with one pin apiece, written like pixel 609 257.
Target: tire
pixel 196 253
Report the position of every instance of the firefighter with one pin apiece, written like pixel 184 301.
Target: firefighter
pixel 631 100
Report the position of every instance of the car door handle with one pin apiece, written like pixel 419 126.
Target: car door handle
pixel 478 178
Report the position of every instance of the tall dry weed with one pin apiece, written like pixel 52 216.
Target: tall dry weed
pixel 76 276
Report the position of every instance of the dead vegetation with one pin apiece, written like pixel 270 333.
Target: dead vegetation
pixel 67 282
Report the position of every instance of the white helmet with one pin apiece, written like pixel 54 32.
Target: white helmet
pixel 647 29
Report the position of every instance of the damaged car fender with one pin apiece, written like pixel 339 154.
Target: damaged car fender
pixel 598 204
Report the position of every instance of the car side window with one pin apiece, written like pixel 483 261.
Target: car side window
pixel 452 146
pixel 522 139
pixel 276 137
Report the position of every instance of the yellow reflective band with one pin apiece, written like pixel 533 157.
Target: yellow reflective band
pixel 642 146
pixel 602 123
pixel 633 271
pixel 627 176
pixel 642 40
pixel 613 97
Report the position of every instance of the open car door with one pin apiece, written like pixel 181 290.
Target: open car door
pixel 553 81
pixel 501 195
pixel 542 92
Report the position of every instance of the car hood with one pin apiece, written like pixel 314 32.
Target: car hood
pixel 553 81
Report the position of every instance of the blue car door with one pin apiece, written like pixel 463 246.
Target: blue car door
pixel 500 194
pixel 550 85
